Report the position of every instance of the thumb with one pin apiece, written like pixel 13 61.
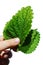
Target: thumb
pixel 9 43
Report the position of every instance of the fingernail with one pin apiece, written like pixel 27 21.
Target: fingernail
pixel 17 40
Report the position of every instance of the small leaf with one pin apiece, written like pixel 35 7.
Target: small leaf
pixel 31 42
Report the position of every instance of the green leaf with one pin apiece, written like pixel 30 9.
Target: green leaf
pixel 31 42
pixel 19 25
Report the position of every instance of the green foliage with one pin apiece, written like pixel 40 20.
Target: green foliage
pixel 31 42
pixel 20 26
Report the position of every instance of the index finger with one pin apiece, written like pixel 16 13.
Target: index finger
pixel 9 43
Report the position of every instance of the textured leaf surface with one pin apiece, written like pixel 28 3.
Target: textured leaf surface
pixel 31 42
pixel 19 25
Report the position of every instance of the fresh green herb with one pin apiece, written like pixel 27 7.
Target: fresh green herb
pixel 20 26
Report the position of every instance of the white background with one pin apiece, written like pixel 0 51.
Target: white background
pixel 7 9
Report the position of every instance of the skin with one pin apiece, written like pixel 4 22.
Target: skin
pixel 5 44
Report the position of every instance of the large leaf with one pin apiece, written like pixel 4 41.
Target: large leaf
pixel 19 25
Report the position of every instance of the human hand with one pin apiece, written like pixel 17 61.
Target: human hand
pixel 5 44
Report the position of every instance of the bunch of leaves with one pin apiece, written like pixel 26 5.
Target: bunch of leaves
pixel 20 26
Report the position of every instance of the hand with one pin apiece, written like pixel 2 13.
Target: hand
pixel 5 44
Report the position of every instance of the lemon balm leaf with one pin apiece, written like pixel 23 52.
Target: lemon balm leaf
pixel 19 25
pixel 31 42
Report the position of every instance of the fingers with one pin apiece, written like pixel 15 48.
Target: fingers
pixel 13 42
pixel 3 55
pixel 9 43
pixel 6 54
